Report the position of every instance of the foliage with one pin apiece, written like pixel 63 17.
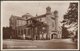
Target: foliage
pixel 72 14
pixel 70 20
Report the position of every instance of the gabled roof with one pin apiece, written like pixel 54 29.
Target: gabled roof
pixel 36 17
pixel 41 16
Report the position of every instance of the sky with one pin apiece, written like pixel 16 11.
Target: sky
pixel 19 8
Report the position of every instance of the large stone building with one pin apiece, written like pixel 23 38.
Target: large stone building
pixel 39 27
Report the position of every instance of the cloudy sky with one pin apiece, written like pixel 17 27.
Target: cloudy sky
pixel 19 8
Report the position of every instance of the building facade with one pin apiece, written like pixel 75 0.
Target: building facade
pixel 39 27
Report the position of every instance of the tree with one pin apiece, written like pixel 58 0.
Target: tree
pixel 72 14
pixel 65 33
pixel 6 32
pixel 71 18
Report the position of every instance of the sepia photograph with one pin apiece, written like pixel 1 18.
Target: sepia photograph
pixel 42 25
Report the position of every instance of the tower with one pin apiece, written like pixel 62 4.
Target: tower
pixel 56 19
pixel 52 22
pixel 48 19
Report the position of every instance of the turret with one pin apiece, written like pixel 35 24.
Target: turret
pixel 56 13
pixel 48 10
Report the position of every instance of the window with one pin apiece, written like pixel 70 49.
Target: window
pixel 52 24
pixel 24 31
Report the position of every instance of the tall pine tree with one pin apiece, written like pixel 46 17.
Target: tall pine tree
pixel 72 14
pixel 71 19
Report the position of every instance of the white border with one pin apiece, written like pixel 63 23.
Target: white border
pixel 1 28
pixel 36 2
pixel 78 26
